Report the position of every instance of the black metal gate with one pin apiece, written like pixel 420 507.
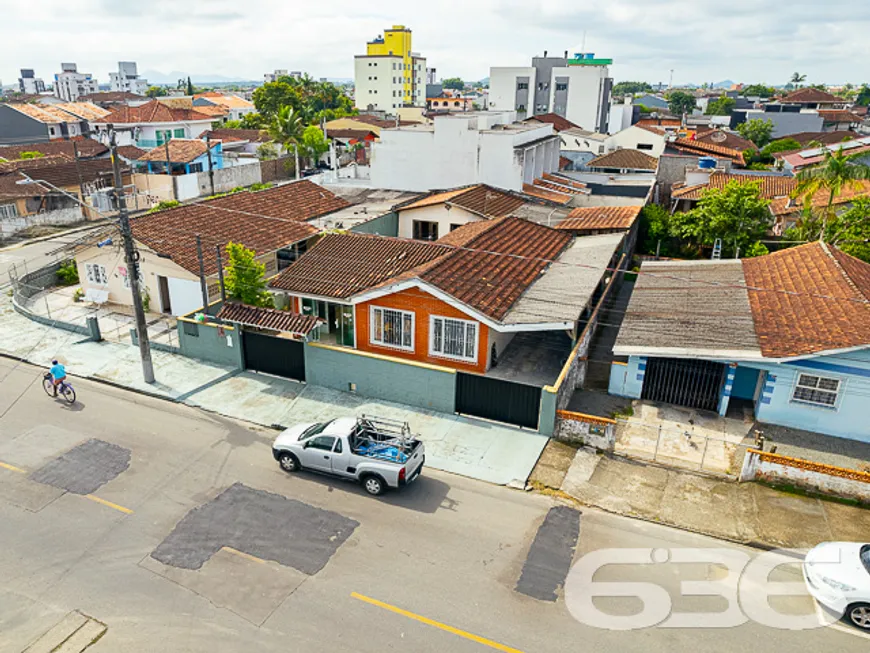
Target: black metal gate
pixel 272 355
pixel 503 401
pixel 690 383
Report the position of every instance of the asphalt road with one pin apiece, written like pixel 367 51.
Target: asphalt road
pixel 29 257
pixel 187 537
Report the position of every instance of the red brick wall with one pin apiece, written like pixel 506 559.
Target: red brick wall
pixel 423 305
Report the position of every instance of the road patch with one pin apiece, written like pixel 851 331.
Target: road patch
pixel 550 556
pixel 261 524
pixel 84 469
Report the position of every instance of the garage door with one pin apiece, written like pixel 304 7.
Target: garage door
pixel 278 356
pixel 690 383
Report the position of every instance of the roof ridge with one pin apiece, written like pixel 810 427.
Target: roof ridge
pixel 827 250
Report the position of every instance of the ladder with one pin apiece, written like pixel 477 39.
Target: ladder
pixel 717 250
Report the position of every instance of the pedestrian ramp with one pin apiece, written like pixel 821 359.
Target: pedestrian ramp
pixel 72 634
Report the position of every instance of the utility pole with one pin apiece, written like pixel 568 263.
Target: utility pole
pixel 169 171
pixel 81 181
pixel 296 162
pixel 217 249
pixel 210 167
pixel 131 256
pixel 202 284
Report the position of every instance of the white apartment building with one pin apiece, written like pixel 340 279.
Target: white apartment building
pixel 577 89
pixel 457 150
pixel 127 79
pixel 281 72
pixel 29 83
pixel 70 84
pixel 387 82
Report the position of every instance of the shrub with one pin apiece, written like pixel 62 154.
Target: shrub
pixel 68 274
pixel 163 205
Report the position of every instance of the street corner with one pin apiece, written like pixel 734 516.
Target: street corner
pixel 248 549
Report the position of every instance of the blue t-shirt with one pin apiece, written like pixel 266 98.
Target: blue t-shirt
pixel 58 371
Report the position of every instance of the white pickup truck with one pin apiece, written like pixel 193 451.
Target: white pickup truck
pixel 377 452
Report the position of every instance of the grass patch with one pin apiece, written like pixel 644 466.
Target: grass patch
pixel 628 411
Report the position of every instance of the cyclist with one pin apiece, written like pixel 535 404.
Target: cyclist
pixel 58 375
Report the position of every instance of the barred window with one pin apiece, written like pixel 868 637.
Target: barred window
pixel 453 338
pixel 818 390
pixel 392 328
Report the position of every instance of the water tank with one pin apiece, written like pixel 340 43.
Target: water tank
pixel 706 162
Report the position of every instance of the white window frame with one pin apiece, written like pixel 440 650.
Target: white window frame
pixel 8 211
pixel 373 317
pixel 811 382
pixel 466 323
pixel 97 275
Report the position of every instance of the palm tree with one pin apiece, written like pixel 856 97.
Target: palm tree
pixel 837 172
pixel 797 79
pixel 286 129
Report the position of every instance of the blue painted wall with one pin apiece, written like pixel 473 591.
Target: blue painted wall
pixel 209 345
pixel 745 381
pixel 627 380
pixel 384 225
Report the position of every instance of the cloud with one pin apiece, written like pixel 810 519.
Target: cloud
pixel 701 41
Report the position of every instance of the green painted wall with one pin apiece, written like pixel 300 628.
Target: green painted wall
pixel 547 418
pixel 384 225
pixel 209 346
pixel 381 379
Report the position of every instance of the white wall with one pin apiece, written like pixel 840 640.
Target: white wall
pixel 629 139
pixel 503 88
pixel 184 295
pixel 620 116
pixel 373 81
pixel 437 213
pixel 585 86
pixel 501 341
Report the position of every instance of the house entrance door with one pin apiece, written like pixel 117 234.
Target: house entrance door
pixel 163 288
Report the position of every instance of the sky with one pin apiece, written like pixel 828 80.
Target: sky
pixel 701 41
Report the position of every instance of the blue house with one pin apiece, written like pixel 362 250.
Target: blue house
pixel 785 336
pixel 182 156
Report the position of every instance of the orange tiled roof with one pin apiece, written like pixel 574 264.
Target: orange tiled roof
pixel 828 311
pixel 785 206
pixel 269 318
pixel 181 150
pixel 696 147
pixel 725 139
pixel 589 218
pixel 153 111
pixel 559 123
pixel 87 148
pixel 840 115
pixel 625 159
pixel 536 191
pixel 771 186
pixel 811 95
pixel 484 200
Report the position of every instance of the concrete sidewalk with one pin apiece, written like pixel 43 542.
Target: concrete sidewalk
pixel 741 512
pixel 475 448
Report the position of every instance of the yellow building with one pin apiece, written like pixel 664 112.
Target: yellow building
pixel 390 75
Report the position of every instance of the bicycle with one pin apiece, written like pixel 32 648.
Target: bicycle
pixel 64 388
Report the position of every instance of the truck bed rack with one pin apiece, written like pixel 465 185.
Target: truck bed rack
pixel 383 438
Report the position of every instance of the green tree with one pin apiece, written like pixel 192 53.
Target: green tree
pixel 245 277
pixel 286 128
pixel 630 88
pixel 31 155
pixel 756 130
pixel 758 90
pixel 735 213
pixel 837 172
pixel 272 96
pixel 849 231
pixel 720 106
pixel 163 205
pixel 267 152
pixel 229 124
pixel 796 80
pixel 253 121
pixel 313 144
pixel 453 82
pixel 189 87
pixel 155 91
pixel 655 229
pixel 863 97
pixel 680 102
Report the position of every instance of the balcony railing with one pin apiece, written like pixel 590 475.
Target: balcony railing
pixel 147 144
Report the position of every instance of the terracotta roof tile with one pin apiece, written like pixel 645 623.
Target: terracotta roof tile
pixel 600 217
pixel 87 148
pixel 784 206
pixel 700 147
pixel 811 95
pixel 65 173
pixel 511 254
pixel 153 111
pixel 343 265
pixel 358 134
pixel 771 186
pixel 725 139
pixel 481 199
pixel 659 122
pixel 115 97
pixel 828 311
pixel 269 318
pixel 229 101
pixel 546 194
pixel 625 159
pixel 131 152
pixel 263 221
pixel 228 135
pixel 559 123
pixel 181 150
pixel 840 115
pixel 826 138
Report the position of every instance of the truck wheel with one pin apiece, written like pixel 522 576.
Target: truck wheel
pixel 289 462
pixel 374 485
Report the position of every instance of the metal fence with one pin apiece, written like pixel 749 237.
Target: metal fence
pixel 687 448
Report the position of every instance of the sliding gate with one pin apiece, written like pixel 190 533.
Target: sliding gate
pixel 690 383
pixel 278 356
pixel 495 399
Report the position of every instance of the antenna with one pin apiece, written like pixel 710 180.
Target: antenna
pixel 583 47
pixel 671 83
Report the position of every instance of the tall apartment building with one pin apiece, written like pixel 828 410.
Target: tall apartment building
pixel 29 83
pixel 127 79
pixel 281 72
pixel 577 89
pixel 390 75
pixel 70 84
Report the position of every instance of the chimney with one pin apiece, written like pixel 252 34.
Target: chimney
pixel 545 54
pixel 566 54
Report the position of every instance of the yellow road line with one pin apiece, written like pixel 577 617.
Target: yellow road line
pixel 126 511
pixel 436 624
pixel 12 468
pixel 242 554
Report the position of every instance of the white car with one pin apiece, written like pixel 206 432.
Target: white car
pixel 837 575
